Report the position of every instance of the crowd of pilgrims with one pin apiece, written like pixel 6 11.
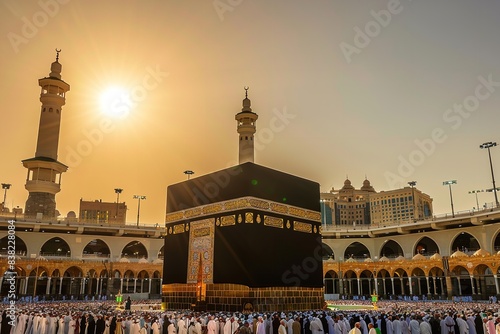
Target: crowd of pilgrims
pixel 390 318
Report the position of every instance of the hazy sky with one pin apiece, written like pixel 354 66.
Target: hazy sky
pixel 394 90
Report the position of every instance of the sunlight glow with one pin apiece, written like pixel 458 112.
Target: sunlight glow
pixel 115 102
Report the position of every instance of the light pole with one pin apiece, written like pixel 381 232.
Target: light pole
pixel 413 184
pixel 487 146
pixel 118 191
pixel 139 197
pixel 449 183
pixel 5 186
pixel 477 201
pixel 188 173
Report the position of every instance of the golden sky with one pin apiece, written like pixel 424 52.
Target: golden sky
pixel 394 90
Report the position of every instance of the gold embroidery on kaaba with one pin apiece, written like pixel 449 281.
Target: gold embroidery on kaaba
pixel 302 227
pixel 288 224
pixel 230 205
pixel 192 212
pixel 179 228
pixel 314 229
pixel 239 219
pixel 273 221
pixel 201 242
pixel 213 208
pixel 276 207
pixel 249 217
pixel 313 215
pixel 258 219
pixel 297 212
pixel 174 216
pixel 217 222
pixel 258 203
pixel 227 220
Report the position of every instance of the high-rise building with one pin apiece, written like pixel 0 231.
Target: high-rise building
pixel 100 212
pixel 349 206
pixel 43 180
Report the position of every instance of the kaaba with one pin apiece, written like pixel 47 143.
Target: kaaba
pixel 245 238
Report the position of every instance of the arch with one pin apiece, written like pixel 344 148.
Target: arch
pixel 329 281
pixel 156 274
pixel 391 249
pixel 96 248
pixel 418 282
pixel 103 273
pixel 465 242
pixel 496 242
pixel 128 282
pixel 401 282
pixel 460 281
pixel 356 250
pixel 56 273
pixel 161 252
pixel 437 281
pixel 73 271
pixel 56 247
pixel 134 249
pixel 426 247
pixel 326 252
pixel 20 246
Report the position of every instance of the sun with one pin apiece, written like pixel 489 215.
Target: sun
pixel 115 102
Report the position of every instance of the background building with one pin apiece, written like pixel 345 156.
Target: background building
pixel 349 206
pixel 100 212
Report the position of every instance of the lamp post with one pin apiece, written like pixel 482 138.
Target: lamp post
pixel 188 173
pixel 487 146
pixel 477 201
pixel 118 191
pixel 5 186
pixel 449 183
pixel 139 197
pixel 413 184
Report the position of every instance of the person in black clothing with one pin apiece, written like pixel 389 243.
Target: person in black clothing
pixel 128 304
pixel 5 323
pixel 324 323
pixel 276 323
pixel 91 325
pixel 435 323
pixel 112 325
pixel 166 323
pixel 307 329
pixel 479 324
pixel 100 325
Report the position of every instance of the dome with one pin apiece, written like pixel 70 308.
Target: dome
pixel 436 256
pixel 384 259
pixel 347 184
pixel 481 252
pixel 158 261
pixel 350 260
pixel 143 260
pixel 367 186
pixel 400 258
pixel 368 259
pixel 419 257
pixel 458 254
pixel 124 259
pixel 498 253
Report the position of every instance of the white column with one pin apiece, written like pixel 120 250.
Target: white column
pixel 459 286
pixel 121 284
pixel 496 283
pixel 98 287
pixel 402 286
pixel 47 290
pixel 472 284
pixel 60 285
pixel 135 285
pixel 150 282
pixel 359 287
pixel 420 285
pixel 376 285
pixel 434 283
pixel 409 284
pixel 392 284
pixel 428 285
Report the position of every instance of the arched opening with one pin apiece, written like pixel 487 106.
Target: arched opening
pixel 418 286
pixel 437 283
pixel 426 247
pixel 329 282
pixel 161 253
pixel 143 281
pixel 326 252
pixel 156 285
pixel 134 250
pixel 20 248
pixel 461 282
pixel 401 282
pixel 128 282
pixel 350 285
pixel 55 247
pixel 466 243
pixel 391 249
pixel 72 288
pixel 356 250
pixel 96 249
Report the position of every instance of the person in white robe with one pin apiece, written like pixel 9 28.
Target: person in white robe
pixel 425 327
pixel 463 326
pixel 316 326
pixel 212 326
pixel 61 325
pixel 282 327
pixel 181 326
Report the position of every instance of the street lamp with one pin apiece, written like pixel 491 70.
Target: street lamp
pixel 475 192
pixel 139 197
pixel 449 183
pixel 188 173
pixel 487 146
pixel 413 184
pixel 5 186
pixel 118 191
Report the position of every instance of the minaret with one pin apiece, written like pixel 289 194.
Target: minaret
pixel 44 171
pixel 246 129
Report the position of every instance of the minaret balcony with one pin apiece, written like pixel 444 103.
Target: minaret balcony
pixel 42 186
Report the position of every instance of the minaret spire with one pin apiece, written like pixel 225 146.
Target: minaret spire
pixel 246 129
pixel 44 171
